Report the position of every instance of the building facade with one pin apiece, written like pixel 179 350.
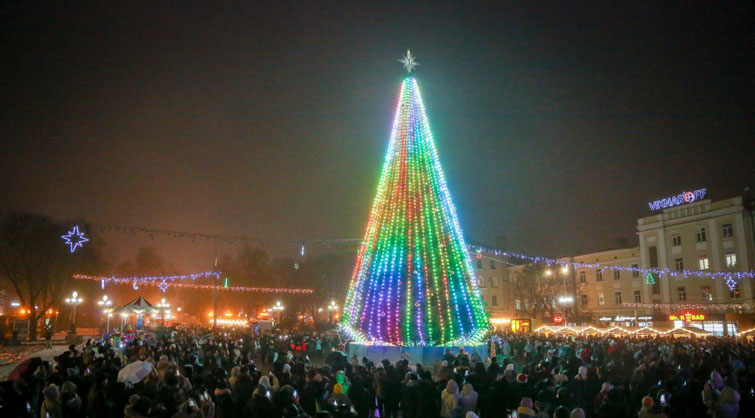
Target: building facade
pixel 600 294
pixel 491 274
pixel 703 235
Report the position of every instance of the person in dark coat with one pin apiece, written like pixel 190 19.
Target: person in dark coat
pixel 259 406
pixel 409 395
pixel 428 397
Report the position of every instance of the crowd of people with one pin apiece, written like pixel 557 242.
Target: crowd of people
pixel 236 374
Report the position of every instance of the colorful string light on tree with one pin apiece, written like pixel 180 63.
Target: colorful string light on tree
pixel 412 283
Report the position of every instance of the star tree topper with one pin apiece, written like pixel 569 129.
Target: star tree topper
pixel 74 238
pixel 408 61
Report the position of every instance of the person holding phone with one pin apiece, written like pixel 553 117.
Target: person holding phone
pixel 650 409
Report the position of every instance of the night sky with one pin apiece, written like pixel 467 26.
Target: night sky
pixel 555 124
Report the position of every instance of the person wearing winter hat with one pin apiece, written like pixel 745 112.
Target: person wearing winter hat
pixel 51 405
pixel 521 378
pixel 525 409
pixel 577 413
pixel 649 409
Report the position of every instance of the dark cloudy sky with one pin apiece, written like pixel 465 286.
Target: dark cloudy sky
pixel 555 122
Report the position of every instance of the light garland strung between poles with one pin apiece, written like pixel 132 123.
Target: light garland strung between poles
pixel 163 282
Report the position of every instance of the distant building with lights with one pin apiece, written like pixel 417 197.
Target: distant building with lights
pixel 705 235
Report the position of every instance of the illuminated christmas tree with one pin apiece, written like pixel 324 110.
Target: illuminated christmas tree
pixel 413 282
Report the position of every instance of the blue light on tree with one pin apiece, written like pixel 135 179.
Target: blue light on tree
pixel 74 238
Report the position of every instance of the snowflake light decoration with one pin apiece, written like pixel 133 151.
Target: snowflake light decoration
pixel 731 283
pixel 74 238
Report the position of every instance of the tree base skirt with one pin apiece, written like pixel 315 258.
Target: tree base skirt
pixel 426 356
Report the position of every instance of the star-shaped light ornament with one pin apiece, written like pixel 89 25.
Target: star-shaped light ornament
pixel 74 238
pixel 408 61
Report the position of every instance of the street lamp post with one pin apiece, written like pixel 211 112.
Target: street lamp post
pixel 278 308
pixel 107 310
pixel 566 299
pixel 332 307
pixel 165 311
pixel 74 300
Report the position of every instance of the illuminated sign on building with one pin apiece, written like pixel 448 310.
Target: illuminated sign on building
pixel 558 319
pixel 680 199
pixel 621 318
pixel 687 316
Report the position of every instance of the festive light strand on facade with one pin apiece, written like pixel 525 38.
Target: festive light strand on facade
pixel 738 275
pixel 613 330
pixel 715 307
pixel 153 281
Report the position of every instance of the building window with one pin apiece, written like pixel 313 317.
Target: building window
pixel 493 282
pixel 734 293
pixel 706 293
pixel 653 255
pixel 635 271
pixel 518 304
pixel 637 296
pixel 676 240
pixel 492 264
pixel 601 299
pixel 599 275
pixel 727 231
pixel 583 300
pixel 479 263
pixel 731 260
pixel 495 300
pixel 617 297
pixel 481 282
pixel 703 263
pixel 582 276
pixel 616 274
pixel 679 264
pixel 681 294
pixel 701 234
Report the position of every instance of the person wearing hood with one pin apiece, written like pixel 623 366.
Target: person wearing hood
pixel 51 405
pixel 526 409
pixel 449 400
pixel 468 399
pixel 722 401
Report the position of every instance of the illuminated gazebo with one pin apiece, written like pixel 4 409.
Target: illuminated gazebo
pixel 139 307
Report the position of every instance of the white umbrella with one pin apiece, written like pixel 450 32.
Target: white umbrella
pixel 134 372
